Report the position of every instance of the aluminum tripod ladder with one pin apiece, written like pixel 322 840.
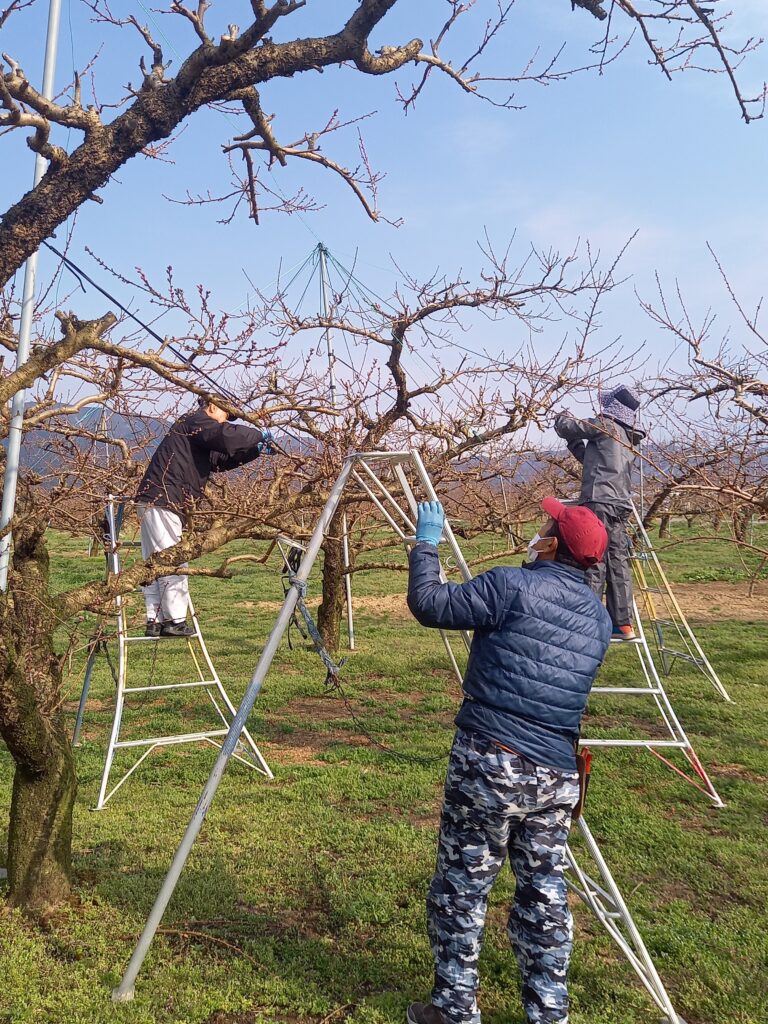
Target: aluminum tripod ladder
pixel 206 678
pixel 663 611
pixel 650 685
pixel 368 470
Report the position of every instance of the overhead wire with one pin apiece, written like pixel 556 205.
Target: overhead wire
pixel 301 264
pixel 221 389
pixel 344 334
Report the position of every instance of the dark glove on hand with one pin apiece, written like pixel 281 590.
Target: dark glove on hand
pixel 429 525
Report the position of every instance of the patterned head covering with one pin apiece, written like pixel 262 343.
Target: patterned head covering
pixel 621 404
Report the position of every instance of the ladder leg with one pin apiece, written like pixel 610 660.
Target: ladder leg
pixel 84 694
pixel 607 904
pixel 258 760
pixel 456 551
pixel 678 738
pixel 677 616
pixel 122 655
pixel 673 723
pixel 452 657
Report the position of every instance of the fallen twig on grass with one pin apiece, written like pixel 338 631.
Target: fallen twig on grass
pixel 208 938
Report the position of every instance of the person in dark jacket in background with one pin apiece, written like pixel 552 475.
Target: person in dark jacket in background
pixel 606 448
pixel 540 637
pixel 201 442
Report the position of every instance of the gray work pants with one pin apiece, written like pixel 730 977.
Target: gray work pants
pixel 614 573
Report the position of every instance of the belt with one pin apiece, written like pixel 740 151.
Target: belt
pixel 507 750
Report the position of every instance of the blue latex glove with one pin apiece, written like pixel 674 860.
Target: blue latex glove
pixel 429 525
pixel 265 445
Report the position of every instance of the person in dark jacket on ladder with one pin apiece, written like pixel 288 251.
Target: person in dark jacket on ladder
pixel 606 446
pixel 201 442
pixel 540 635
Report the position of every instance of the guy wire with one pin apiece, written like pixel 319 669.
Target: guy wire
pixel 81 275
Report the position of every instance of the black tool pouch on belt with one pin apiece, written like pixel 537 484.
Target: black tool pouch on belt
pixel 584 768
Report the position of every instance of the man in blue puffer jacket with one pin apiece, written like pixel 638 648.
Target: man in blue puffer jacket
pixel 540 637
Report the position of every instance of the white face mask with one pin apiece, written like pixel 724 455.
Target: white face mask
pixel 533 554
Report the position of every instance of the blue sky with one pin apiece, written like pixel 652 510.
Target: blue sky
pixel 595 157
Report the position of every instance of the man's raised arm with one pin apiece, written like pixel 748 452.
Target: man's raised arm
pixel 478 604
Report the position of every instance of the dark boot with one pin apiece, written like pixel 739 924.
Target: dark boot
pixel 177 629
pixel 425 1013
pixel 152 628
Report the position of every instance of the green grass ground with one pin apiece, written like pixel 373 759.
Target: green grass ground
pixel 303 897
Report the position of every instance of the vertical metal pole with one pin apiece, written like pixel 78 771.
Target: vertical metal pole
pixel 642 482
pixel 429 490
pixel 84 694
pixel 113 569
pixel 325 308
pixel 347 581
pixel 25 328
pixel 507 525
pixel 124 991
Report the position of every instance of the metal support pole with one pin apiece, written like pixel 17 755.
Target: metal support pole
pixel 13 451
pixel 347 581
pixel 325 308
pixel 84 695
pixel 124 991
pixel 447 531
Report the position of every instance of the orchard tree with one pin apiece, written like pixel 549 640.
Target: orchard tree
pixel 713 409
pixel 447 405
pixel 86 137
pixel 225 64
pixel 405 379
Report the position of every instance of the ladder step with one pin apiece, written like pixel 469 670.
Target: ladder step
pixel 680 744
pixel 634 640
pixel 664 622
pixel 625 689
pixel 167 741
pixel 170 686
pixel 154 639
pixel 651 590
pixel 683 657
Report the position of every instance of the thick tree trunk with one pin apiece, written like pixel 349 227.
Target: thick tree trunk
pixel 332 605
pixel 40 834
pixel 664 522
pixel 33 727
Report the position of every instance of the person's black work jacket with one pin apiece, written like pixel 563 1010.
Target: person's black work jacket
pixel 195 446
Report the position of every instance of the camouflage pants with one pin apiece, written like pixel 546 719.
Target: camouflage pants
pixel 498 804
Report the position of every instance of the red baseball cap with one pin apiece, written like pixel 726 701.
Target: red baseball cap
pixel 581 530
